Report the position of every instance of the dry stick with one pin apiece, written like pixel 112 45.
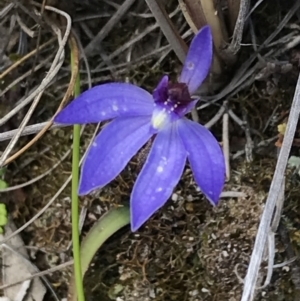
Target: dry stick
pixel 29 160
pixel 168 28
pixel 29 130
pixel 233 194
pixel 66 182
pixel 8 35
pixel 233 12
pixel 271 241
pixel 116 6
pixel 28 31
pixel 57 63
pixel 6 10
pixel 33 129
pixel 226 147
pixel 249 141
pixel 243 73
pixel 40 274
pixel 214 120
pixel 201 12
pixel 271 235
pixel 258 145
pixel 29 263
pixel 135 39
pixel 24 58
pixel 259 2
pixel 276 185
pixel 146 57
pixel 46 81
pixel 24 75
pixel 11 188
pixel 65 98
pixel 92 46
pixel 235 44
pixel 100 68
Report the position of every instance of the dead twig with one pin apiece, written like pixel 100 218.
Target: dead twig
pixel 168 28
pixel 29 130
pixel 226 147
pixel 40 274
pixel 274 192
pixel 93 45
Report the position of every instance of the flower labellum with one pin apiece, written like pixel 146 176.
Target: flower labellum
pixel 137 116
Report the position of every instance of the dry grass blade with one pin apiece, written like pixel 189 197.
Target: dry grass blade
pixel 233 10
pixel 201 12
pixel 28 130
pixel 168 28
pixel 226 145
pixel 64 100
pixel 40 274
pixel 275 189
pixel 55 66
pixel 24 58
pixel 24 75
pixel 235 44
pixel 188 15
pixel 11 188
pixel 93 45
pixel 244 75
pixel 132 41
pixel 6 10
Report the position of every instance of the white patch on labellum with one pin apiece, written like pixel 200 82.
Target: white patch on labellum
pixel 103 113
pixel 94 144
pixel 159 189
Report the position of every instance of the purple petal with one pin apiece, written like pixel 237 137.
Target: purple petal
pixel 198 60
pixel 159 176
pixel 111 150
pixel 205 157
pixel 160 93
pixel 106 102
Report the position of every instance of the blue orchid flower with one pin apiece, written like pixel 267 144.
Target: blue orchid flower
pixel 137 116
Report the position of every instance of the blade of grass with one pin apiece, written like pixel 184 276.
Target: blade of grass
pixel 75 213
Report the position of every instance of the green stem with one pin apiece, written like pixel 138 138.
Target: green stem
pixel 105 227
pixel 75 213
